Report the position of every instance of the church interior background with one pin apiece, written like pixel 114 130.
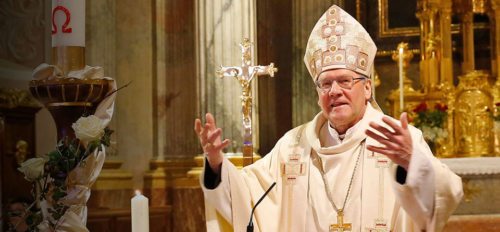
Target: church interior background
pixel 170 49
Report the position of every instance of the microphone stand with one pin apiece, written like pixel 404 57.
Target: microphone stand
pixel 250 224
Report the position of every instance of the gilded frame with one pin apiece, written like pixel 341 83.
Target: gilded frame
pixel 383 24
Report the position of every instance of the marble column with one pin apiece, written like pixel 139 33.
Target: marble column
pixel 174 97
pixel 113 187
pixel 220 27
pixel 304 97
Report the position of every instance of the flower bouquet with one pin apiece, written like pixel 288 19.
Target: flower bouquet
pixel 62 178
pixel 431 122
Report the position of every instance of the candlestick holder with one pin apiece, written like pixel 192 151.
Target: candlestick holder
pixel 67 99
pixel 407 57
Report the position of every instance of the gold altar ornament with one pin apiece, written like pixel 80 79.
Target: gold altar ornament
pixel 472 116
pixel 470 104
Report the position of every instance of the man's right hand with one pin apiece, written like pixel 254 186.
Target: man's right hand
pixel 210 140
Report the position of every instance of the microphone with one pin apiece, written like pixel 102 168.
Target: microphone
pixel 250 224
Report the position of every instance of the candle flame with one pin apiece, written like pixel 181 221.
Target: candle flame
pixel 138 192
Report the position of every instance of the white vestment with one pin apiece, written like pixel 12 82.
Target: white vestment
pixel 299 201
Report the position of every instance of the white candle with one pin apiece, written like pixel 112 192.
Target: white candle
pixel 401 91
pixel 140 213
pixel 68 23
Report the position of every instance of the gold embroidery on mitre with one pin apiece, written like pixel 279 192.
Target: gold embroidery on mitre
pixel 338 32
pixel 362 60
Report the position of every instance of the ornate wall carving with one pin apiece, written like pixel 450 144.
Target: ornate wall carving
pixel 23 27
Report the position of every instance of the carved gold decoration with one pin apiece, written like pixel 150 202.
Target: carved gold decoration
pixel 470 104
pixel 386 53
pixel 407 57
pixel 23 25
pixel 435 44
pixel 411 96
pixel 446 147
pixel 496 128
pixel 21 151
pixel 11 98
pixel 496 137
pixel 472 115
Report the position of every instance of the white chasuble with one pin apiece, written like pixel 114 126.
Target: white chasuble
pixel 299 201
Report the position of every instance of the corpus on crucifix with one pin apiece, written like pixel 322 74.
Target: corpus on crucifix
pixel 244 74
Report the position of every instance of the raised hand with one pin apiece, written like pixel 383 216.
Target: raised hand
pixel 211 142
pixel 397 143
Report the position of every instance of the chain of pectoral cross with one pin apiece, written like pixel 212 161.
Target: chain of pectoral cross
pixel 340 226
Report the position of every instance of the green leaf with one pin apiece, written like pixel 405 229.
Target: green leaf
pixel 54 155
pixel 58 194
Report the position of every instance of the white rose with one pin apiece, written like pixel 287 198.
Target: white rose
pixel 44 226
pixel 88 128
pixel 429 133
pixel 32 168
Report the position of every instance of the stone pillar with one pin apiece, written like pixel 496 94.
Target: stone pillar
pixel 113 187
pixel 468 41
pixel 304 97
pixel 174 94
pixel 221 27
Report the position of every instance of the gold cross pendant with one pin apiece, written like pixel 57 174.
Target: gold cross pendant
pixel 340 226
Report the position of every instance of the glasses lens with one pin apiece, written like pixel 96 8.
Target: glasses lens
pixel 325 85
pixel 345 81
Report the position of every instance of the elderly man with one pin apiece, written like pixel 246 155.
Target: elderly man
pixel 350 169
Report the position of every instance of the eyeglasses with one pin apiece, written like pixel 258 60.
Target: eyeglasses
pixel 345 82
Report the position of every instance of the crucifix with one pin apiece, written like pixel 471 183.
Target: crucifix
pixel 244 74
pixel 340 226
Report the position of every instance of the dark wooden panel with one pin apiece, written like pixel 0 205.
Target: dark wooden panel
pixel 120 220
pixel 159 223
pixel 125 224
pixel 16 124
pixel 188 202
pixel 101 224
pixel 274 32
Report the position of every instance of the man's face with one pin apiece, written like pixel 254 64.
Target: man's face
pixel 343 107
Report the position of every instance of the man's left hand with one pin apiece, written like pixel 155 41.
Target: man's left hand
pixel 397 143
